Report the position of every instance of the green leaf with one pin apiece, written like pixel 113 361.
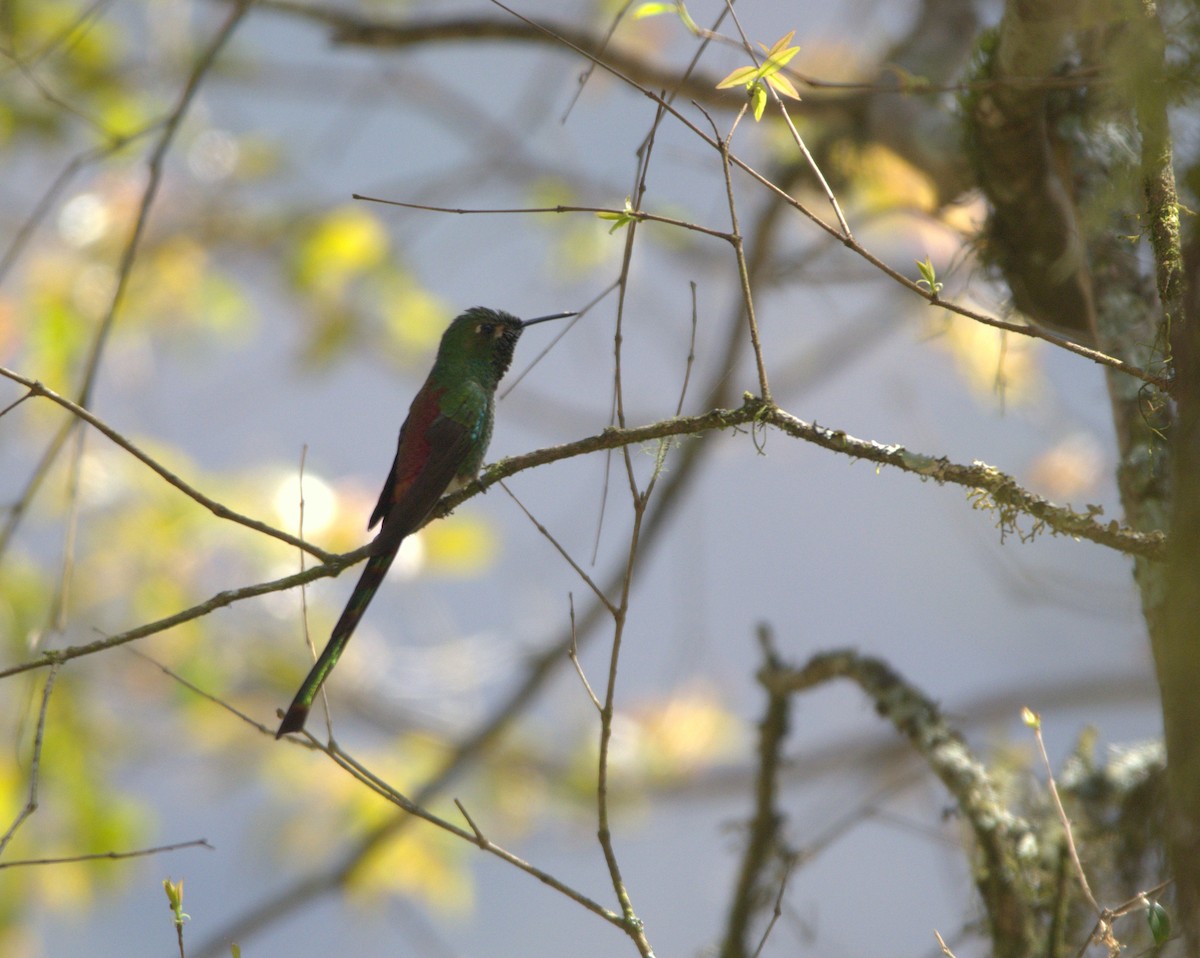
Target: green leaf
pixel 622 218
pixel 1159 921
pixel 928 276
pixel 174 890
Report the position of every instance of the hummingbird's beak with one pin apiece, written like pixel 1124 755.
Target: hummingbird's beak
pixel 546 319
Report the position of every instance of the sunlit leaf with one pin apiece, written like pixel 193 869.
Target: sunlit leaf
pixel 928 276
pixel 644 10
pixel 619 218
pixel 780 46
pixel 739 77
pixel 783 86
pixel 758 96
pixel 777 61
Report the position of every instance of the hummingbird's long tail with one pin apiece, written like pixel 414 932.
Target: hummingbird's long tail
pixel 360 598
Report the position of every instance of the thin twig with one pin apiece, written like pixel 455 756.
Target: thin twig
pixel 777 910
pixel 587 579
pixel 112 856
pixel 480 840
pixel 743 272
pixel 691 356
pixel 208 696
pixel 637 214
pixel 227 597
pixel 1062 817
pixel 633 925
pixel 312 649
pixel 796 138
pixel 35 764
pixel 945 949
pixel 476 837
pixel 514 381
pixel 573 655
pixel 219 510
pixel 847 241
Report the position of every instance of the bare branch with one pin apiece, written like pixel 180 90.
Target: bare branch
pixel 112 856
pixel 763 843
pixel 35 763
pixel 228 597
pixel 216 508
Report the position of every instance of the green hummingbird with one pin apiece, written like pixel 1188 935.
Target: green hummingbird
pixel 441 448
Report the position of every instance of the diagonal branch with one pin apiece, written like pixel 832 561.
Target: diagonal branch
pixel 216 508
pixel 993 489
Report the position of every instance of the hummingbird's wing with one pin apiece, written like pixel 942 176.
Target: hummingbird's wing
pixel 427 460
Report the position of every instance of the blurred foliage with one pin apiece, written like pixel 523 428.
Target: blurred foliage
pixel 421 863
pixel 65 55
pixel 659 743
pixel 880 180
pixel 78 812
pixel 995 364
pixel 343 265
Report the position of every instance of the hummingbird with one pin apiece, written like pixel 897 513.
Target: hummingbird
pixel 440 449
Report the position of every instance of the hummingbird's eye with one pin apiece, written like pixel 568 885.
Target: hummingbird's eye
pixel 485 329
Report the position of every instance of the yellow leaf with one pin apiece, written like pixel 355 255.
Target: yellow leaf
pixel 653 10
pixel 781 43
pixel 783 86
pixel 690 730
pixel 777 61
pixel 738 77
pixel 758 95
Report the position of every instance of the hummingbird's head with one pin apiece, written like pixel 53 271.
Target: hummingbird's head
pixel 483 336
